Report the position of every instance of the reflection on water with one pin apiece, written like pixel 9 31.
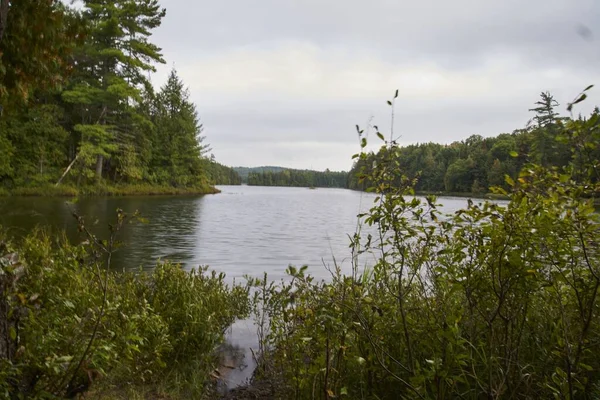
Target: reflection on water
pixel 244 230
pixel 170 232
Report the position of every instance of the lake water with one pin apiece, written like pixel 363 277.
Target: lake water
pixel 245 230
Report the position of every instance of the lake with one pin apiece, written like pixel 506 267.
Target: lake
pixel 245 230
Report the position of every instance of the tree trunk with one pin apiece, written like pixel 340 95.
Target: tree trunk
pixel 3 17
pixel 67 171
pixel 99 163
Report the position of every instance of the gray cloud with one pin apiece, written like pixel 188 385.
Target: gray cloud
pixel 284 82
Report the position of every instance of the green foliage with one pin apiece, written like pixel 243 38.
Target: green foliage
pixel 177 141
pixel 219 174
pixel 7 150
pixel 301 178
pixel 36 40
pixel 92 117
pixel 245 171
pixel 477 163
pixel 495 301
pixel 73 323
pixel 110 76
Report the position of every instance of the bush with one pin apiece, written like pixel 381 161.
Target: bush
pixel 496 301
pixel 70 322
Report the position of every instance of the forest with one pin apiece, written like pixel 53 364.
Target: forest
pixel 476 164
pixel 299 178
pixel 245 171
pixel 79 109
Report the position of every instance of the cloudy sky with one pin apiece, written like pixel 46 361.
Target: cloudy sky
pixel 284 82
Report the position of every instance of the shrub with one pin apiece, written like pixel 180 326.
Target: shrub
pixel 71 322
pixel 495 301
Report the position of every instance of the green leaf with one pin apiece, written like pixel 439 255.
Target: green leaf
pixel 380 136
pixel 13 333
pixel 586 367
pixel 389 103
pixel 514 154
pixel 580 99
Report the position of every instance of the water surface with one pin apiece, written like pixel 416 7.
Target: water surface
pixel 244 230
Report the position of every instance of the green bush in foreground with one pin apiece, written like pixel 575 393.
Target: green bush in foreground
pixel 67 323
pixel 495 301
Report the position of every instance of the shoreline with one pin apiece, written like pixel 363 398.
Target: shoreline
pixel 484 196
pixel 107 191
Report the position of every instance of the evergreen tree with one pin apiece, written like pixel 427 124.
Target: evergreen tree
pixel 544 146
pixel 178 144
pixel 37 38
pixel 111 69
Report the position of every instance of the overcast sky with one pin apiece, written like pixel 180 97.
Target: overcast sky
pixel 284 82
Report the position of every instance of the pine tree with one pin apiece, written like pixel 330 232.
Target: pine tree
pixel 111 69
pixel 37 38
pixel 178 145
pixel 544 147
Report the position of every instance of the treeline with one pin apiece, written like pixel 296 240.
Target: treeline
pixel 78 106
pixel 300 178
pixel 244 172
pixel 220 174
pixel 477 163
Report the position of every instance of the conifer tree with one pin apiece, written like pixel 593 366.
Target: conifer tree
pixel 178 144
pixel 111 69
